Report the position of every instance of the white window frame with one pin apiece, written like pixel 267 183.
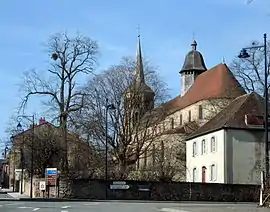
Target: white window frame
pixel 203 147
pixel 213 172
pixel 194 148
pixel 194 174
pixel 213 141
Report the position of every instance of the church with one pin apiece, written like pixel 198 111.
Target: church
pixel 208 95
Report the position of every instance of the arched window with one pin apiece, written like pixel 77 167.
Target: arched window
pixel 172 123
pixel 203 146
pixel 189 116
pixel 194 149
pixel 194 174
pixel 181 119
pixel 213 144
pixel 200 112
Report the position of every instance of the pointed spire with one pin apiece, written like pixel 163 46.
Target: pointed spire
pixel 139 74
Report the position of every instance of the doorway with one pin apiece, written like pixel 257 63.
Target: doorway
pixel 203 174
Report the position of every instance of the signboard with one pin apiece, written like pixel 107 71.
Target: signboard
pixel 18 174
pixel 42 185
pixel 143 187
pixel 51 171
pixel 51 176
pixel 119 185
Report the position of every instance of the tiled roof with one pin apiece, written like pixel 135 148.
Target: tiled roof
pixel 217 82
pixel 233 116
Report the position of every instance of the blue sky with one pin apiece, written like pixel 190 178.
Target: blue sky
pixel 221 28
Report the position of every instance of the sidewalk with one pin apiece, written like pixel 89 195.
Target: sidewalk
pixel 8 192
pixel 17 195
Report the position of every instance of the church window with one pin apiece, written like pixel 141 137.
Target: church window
pixel 136 117
pixel 200 112
pixel 138 164
pixel 162 151
pixel 145 159
pixel 189 115
pixel 172 123
pixel 181 119
pixel 154 154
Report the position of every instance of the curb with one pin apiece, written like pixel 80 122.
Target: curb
pixel 3 192
pixel 120 201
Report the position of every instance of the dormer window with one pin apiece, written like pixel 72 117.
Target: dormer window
pixel 254 120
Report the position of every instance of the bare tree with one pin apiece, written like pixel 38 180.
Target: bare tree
pixel 128 139
pixel 72 57
pixel 250 71
pixel 85 160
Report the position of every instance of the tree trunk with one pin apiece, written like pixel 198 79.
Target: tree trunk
pixel 122 170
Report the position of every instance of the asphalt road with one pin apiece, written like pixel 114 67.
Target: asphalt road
pixel 14 206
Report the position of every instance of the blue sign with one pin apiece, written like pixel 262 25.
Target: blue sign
pixel 51 171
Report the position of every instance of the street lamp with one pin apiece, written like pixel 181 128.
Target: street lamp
pixel 244 54
pixel 20 130
pixel 108 107
pixel 32 119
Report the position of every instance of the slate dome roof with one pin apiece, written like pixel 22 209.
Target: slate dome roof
pixel 194 60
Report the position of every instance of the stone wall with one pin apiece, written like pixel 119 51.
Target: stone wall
pixel 159 191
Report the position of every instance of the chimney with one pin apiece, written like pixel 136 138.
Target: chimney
pixel 42 120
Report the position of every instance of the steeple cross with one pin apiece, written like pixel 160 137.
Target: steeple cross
pixel 138 31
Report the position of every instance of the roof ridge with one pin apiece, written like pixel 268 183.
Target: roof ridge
pixel 245 97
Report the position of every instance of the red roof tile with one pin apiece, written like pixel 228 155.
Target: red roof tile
pixel 217 82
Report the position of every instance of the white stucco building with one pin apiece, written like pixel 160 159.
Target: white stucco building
pixel 230 147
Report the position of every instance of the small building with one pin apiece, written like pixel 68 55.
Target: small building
pixel 230 147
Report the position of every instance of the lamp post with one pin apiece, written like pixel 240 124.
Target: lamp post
pixel 244 54
pixel 108 107
pixel 5 152
pixel 20 130
pixel 32 119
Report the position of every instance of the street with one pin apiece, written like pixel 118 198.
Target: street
pixel 21 206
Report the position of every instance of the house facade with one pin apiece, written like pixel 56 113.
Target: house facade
pixel 230 147
pixel 48 151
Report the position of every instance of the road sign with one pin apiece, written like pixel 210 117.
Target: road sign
pixel 119 187
pixel 51 176
pixel 42 185
pixel 51 171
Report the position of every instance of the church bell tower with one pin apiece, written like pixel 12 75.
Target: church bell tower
pixel 193 66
